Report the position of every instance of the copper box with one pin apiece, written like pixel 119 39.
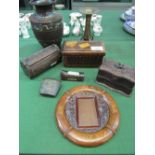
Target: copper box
pixel 83 53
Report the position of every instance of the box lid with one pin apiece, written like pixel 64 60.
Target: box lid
pixel 83 47
pixel 43 53
pixel 118 69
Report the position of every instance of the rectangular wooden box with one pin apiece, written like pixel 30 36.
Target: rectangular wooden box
pixel 116 76
pixel 83 53
pixel 41 61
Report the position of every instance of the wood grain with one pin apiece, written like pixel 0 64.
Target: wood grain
pixel 83 138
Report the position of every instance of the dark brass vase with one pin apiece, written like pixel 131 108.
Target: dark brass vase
pixel 46 25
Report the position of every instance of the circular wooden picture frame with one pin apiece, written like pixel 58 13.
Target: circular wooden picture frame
pixel 95 134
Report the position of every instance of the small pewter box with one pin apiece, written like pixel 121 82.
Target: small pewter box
pixel 50 87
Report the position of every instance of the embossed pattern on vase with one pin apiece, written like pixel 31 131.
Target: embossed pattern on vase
pixel 47 26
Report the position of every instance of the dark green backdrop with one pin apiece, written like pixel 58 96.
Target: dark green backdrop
pixel 38 131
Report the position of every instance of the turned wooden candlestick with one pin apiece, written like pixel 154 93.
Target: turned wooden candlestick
pixel 87 33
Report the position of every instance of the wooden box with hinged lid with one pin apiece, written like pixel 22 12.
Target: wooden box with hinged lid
pixel 117 76
pixel 83 53
pixel 41 61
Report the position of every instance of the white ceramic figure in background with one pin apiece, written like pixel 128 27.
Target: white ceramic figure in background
pixel 96 19
pixel 97 24
pixel 24 25
pixel 23 28
pixel 66 29
pixel 77 27
pixel 99 20
pixel 97 29
pixel 22 22
pixel 93 19
pixel 73 20
pixel 73 17
pixel 27 22
pixel 25 32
